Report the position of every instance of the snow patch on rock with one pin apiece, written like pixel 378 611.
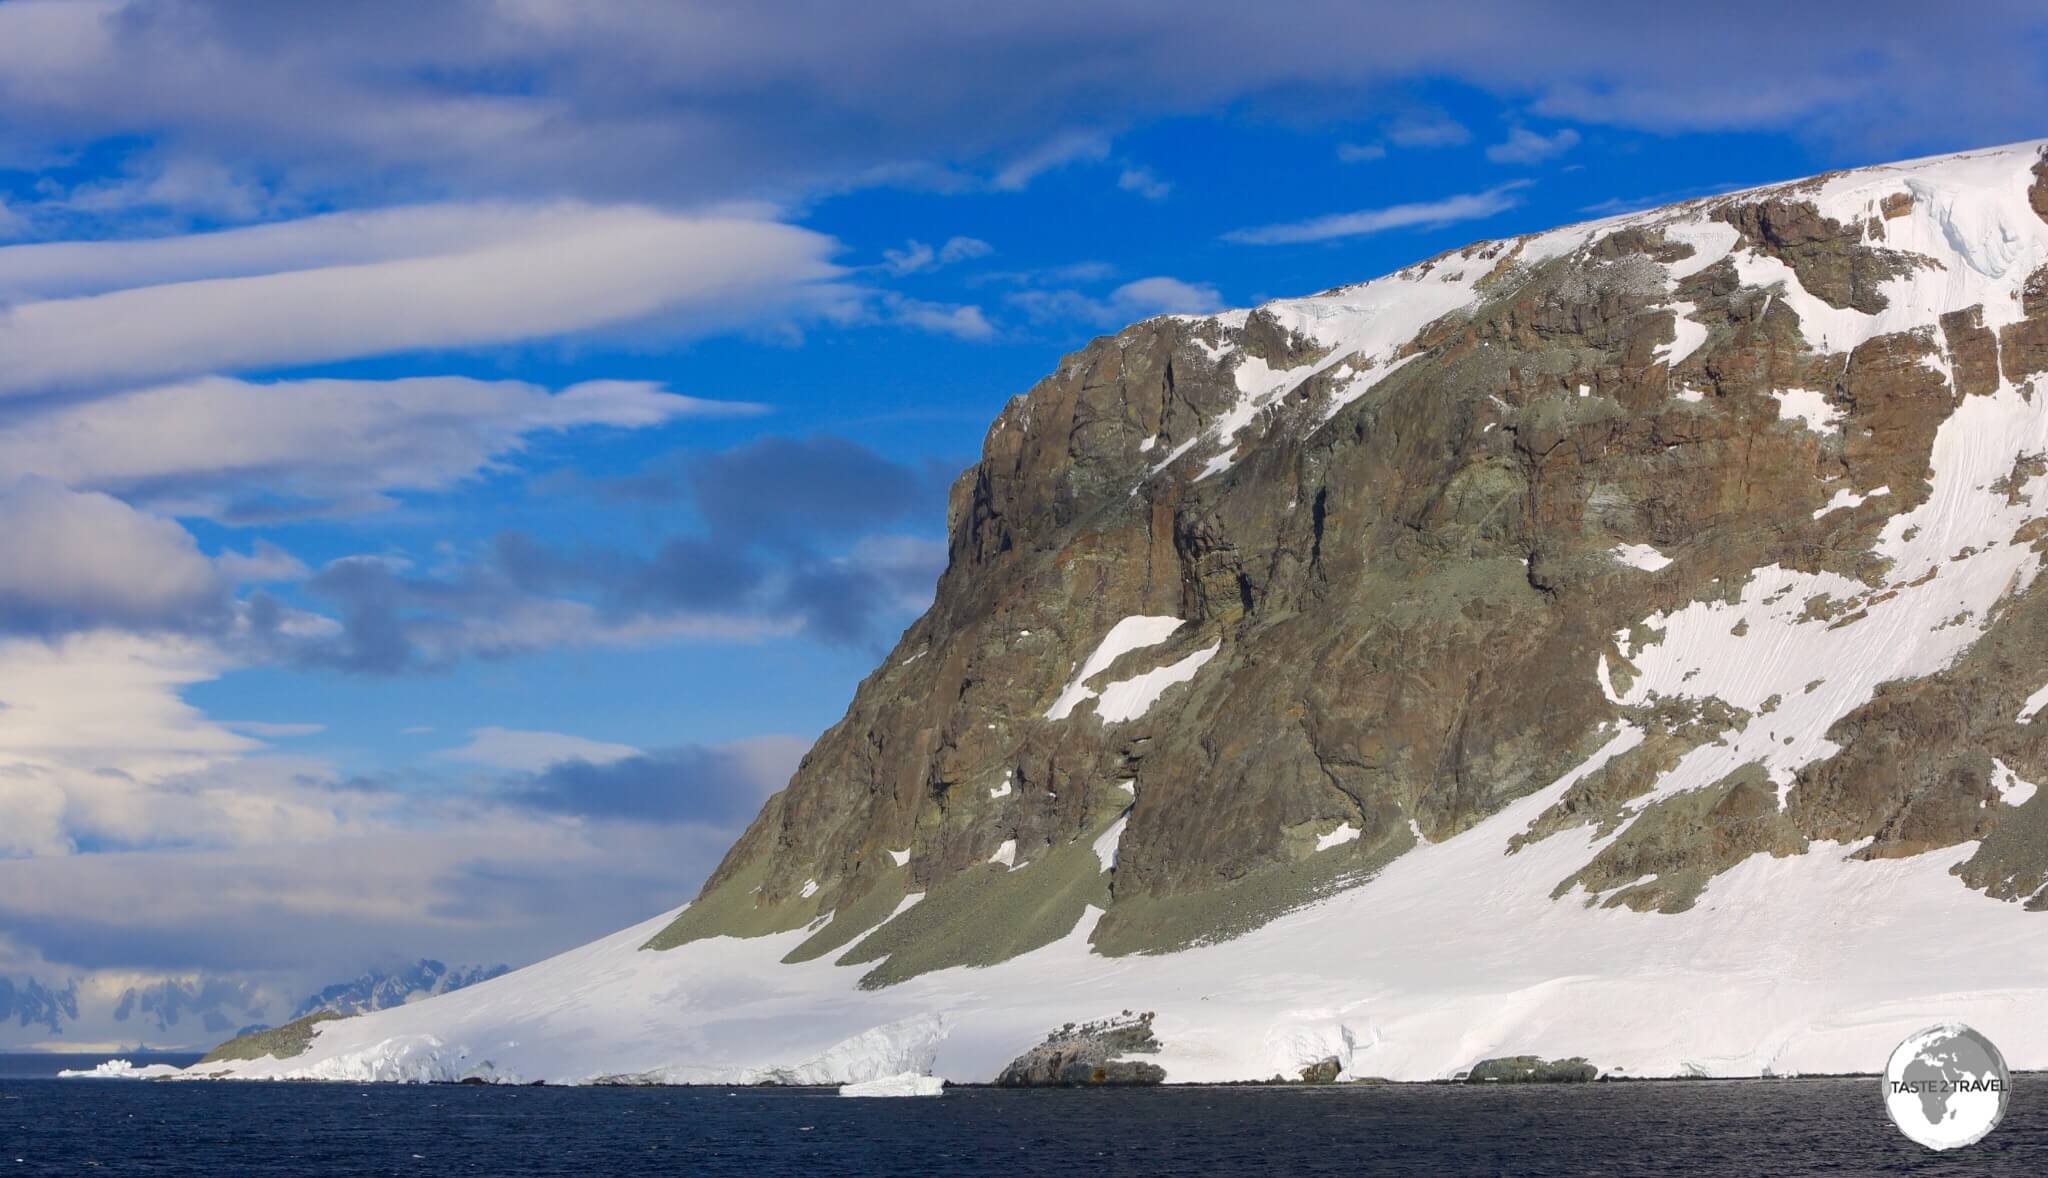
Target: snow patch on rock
pixel 2035 703
pixel 2012 789
pixel 1128 699
pixel 1809 408
pixel 1640 556
pixel 1846 498
pixel 1106 843
pixel 1346 833
pixel 1133 633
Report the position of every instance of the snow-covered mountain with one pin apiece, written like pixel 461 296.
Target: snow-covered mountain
pixel 380 988
pixel 1624 641
pixel 31 1003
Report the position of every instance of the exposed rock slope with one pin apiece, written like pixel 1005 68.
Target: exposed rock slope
pixel 1570 622
pixel 1410 548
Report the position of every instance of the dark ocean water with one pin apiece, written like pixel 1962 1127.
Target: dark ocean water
pixel 1750 1127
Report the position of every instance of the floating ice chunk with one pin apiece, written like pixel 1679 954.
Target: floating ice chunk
pixel 1346 833
pixel 1640 556
pixel 1808 407
pixel 120 1069
pixel 906 1084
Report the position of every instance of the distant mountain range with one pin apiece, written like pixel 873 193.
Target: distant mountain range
pixel 31 1003
pixel 377 989
pixel 186 1011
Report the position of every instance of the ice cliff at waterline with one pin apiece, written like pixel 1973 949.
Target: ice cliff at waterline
pixel 1625 641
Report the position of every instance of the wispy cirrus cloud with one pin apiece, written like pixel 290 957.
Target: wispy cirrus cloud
pixel 1523 146
pixel 1469 206
pixel 1427 128
pixel 234 449
pixel 1068 147
pixel 916 257
pixel 1158 295
pixel 1143 181
pixel 563 271
pixel 529 749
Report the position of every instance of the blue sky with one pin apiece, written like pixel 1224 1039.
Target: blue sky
pixel 455 457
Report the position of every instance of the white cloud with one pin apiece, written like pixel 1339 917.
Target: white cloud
pixel 1358 153
pixel 57 269
pixel 195 446
pixel 1427 129
pixel 271 729
pixel 1059 151
pixel 773 759
pixel 93 737
pixel 70 558
pixel 139 837
pixel 964 321
pixel 528 749
pixel 263 563
pixel 664 101
pixel 1091 271
pixel 916 257
pixel 1524 146
pixel 1162 295
pixel 1157 295
pixel 181 184
pixel 1139 179
pixel 1471 206
pixel 568 269
pixel 471 883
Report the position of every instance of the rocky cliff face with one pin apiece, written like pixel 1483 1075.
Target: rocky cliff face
pixel 1624 642
pixel 1277 594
